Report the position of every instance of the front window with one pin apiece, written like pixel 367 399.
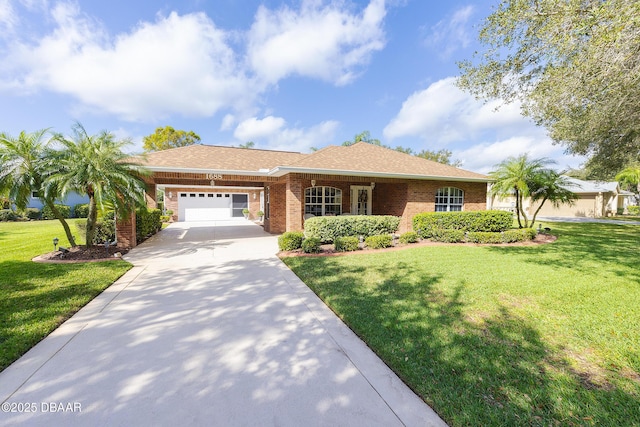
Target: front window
pixel 320 201
pixel 449 199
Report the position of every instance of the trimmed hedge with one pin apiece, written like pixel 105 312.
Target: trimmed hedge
pixel 379 241
pixel 327 228
pixel 7 215
pixel 311 245
pixel 426 223
pixel 409 237
pixel 290 241
pixel 32 213
pixel 81 210
pixel 346 244
pixel 147 223
pixel 64 210
pixel 448 236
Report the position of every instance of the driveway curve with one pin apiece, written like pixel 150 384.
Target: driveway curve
pixel 208 328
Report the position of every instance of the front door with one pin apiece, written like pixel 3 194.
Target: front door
pixel 360 200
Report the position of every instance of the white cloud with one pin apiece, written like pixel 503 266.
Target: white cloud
pixel 7 16
pixel 273 133
pixel 451 34
pixel 443 114
pixel 179 64
pixel 320 41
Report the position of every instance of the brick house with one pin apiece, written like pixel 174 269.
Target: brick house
pixel 203 182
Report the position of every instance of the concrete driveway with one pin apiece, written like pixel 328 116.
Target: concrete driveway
pixel 208 328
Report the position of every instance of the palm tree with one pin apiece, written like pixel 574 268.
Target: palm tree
pixel 513 176
pixel 550 186
pixel 364 136
pixel 629 177
pixel 23 170
pixel 95 165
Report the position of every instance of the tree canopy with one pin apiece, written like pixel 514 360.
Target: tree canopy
pixel 574 65
pixel 167 137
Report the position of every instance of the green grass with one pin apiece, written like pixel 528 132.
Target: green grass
pixel 518 335
pixel 36 298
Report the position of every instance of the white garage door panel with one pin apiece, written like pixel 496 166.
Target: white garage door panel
pixel 204 208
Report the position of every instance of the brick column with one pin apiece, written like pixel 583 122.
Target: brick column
pixel 151 197
pixel 294 200
pixel 126 231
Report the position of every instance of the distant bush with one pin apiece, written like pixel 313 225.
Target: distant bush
pixel 346 243
pixel 64 210
pixel 165 218
pixel 81 210
pixel 379 241
pixel 32 213
pixel 7 215
pixel 311 245
pixel 290 241
pixel 633 210
pixel 426 223
pixel 327 228
pixel 147 223
pixel 409 237
pixel 447 236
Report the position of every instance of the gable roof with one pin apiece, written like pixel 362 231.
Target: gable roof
pixel 361 159
pixel 581 186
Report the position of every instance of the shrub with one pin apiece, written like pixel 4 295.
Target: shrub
pixel 484 237
pixel 81 210
pixel 379 241
pixel 520 235
pixel 633 210
pixel 105 230
pixel 64 210
pixel 32 213
pixel 165 218
pixel 447 236
pixel 327 228
pixel 147 223
pixel 346 243
pixel 426 223
pixel 311 245
pixel 7 215
pixel 290 241
pixel 409 237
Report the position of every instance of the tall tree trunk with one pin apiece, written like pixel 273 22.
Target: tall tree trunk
pixel 518 206
pixel 51 205
pixel 92 218
pixel 524 215
pixel 535 214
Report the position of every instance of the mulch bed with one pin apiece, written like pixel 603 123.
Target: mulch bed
pixel 94 253
pixel 328 250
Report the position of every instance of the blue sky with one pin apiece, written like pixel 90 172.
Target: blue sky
pixel 287 75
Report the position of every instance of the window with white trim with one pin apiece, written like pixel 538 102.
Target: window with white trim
pixel 321 201
pixel 449 199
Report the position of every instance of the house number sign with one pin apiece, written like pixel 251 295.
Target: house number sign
pixel 213 176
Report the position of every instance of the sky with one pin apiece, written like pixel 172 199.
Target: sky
pixel 286 75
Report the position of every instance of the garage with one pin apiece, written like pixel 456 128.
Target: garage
pixel 204 206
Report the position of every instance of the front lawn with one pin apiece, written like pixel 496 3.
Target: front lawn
pixel 37 298
pixel 502 335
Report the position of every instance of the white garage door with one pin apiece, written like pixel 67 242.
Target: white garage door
pixel 204 206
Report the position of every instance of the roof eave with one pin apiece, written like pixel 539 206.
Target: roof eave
pixel 207 170
pixel 283 170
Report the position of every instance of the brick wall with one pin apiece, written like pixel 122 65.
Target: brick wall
pixel 276 223
pixel 126 231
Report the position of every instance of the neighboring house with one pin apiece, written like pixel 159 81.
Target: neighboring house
pixel 203 182
pixel 596 199
pixel 72 199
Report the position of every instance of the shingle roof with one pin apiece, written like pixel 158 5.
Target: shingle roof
pixel 211 157
pixel 580 186
pixel 364 157
pixel 360 159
